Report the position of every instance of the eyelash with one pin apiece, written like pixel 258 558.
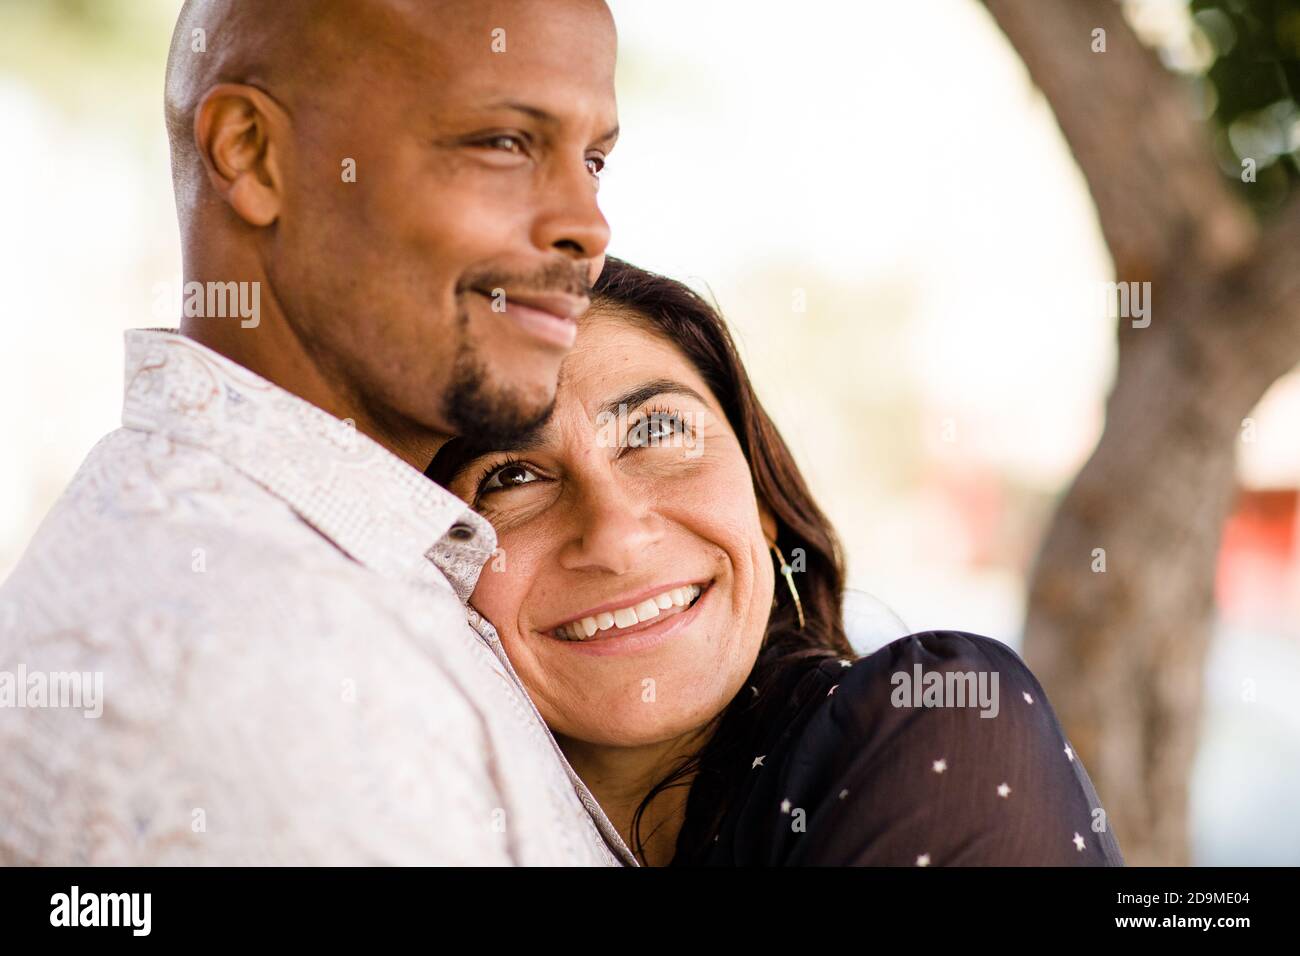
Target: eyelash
pixel 491 469
pixel 491 142
pixel 523 142
pixel 660 413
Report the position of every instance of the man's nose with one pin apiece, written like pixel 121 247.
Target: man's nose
pixel 569 219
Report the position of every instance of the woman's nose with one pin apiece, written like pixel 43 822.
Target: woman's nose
pixel 615 529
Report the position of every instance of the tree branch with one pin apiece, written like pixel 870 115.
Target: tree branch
pixel 1166 202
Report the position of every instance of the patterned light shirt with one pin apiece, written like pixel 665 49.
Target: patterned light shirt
pixel 241 637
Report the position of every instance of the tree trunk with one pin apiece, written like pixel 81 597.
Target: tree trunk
pixel 1122 650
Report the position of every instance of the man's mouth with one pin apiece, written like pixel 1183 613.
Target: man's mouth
pixel 614 622
pixel 548 316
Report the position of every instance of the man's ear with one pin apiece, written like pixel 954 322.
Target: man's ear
pixel 235 132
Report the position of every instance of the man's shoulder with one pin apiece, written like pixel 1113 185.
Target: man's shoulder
pixel 134 484
pixel 149 520
pixel 243 667
pixel 161 551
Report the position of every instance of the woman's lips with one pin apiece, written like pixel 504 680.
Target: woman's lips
pixel 664 615
pixel 643 638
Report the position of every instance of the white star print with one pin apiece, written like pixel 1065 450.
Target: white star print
pixel 1003 790
pixel 758 762
pixel 1028 699
pixel 940 765
pixel 1069 753
pixel 843 794
pixel 785 806
pixel 923 860
pixel 846 663
pixel 1078 843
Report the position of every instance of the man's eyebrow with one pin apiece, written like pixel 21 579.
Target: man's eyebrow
pixel 536 112
pixel 542 116
pixel 647 390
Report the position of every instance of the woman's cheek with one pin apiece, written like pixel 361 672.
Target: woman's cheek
pixel 492 595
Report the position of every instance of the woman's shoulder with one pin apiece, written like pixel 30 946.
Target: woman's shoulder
pixel 926 697
pixel 839 696
pixel 928 665
pixel 946 723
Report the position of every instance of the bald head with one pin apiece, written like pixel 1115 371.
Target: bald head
pixel 397 172
pixel 292 48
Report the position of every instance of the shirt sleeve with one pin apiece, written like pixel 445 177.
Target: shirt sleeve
pixel 943 750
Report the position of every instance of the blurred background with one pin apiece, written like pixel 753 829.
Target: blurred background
pixel 881 201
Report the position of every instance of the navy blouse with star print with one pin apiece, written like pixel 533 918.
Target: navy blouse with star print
pixel 881 762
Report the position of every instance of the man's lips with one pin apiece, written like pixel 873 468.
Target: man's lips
pixel 548 316
pixel 559 305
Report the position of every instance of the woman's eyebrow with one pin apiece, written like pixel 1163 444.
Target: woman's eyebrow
pixel 647 390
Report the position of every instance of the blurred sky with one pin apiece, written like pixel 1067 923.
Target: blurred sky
pixel 888 165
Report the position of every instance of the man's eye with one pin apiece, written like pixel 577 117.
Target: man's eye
pixel 509 476
pixel 595 164
pixel 509 144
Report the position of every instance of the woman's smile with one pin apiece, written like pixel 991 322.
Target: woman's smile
pixel 633 626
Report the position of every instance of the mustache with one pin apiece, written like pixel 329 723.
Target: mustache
pixel 567 277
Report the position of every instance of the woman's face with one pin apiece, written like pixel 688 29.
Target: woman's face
pixel 610 522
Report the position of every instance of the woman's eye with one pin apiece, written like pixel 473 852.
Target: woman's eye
pixel 595 164
pixel 654 430
pixel 509 476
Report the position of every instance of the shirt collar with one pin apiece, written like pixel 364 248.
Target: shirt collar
pixel 368 502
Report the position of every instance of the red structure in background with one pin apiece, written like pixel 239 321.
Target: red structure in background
pixel 1257 584
pixel 1258 579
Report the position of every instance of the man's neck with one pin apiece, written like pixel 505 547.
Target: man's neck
pixel 275 352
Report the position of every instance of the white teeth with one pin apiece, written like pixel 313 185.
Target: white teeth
pixel 628 616
pixel 646 610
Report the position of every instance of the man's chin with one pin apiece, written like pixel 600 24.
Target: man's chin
pixel 500 415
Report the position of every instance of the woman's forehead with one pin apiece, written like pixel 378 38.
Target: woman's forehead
pixel 613 352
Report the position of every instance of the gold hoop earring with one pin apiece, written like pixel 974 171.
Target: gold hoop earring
pixel 789 579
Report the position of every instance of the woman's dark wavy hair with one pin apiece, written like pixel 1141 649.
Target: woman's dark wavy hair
pixel 675 312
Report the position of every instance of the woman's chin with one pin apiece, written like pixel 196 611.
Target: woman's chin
pixel 642 723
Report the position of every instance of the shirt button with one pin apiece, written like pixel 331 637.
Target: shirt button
pixel 461 532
